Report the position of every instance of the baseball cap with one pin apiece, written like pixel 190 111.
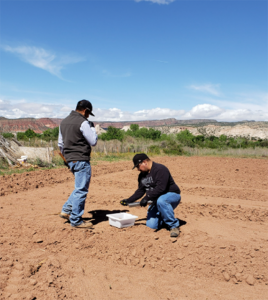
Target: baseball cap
pixel 85 104
pixel 139 158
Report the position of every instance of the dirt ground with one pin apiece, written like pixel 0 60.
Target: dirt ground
pixel 220 254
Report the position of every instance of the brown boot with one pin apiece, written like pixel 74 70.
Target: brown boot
pixel 84 225
pixel 64 215
pixel 175 232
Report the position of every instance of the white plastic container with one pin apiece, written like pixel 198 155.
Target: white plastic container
pixel 121 220
pixel 24 158
pixel 20 160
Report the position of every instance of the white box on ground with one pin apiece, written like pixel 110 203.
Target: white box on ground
pixel 121 220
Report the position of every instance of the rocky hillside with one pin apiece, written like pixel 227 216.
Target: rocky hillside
pixel 154 123
pixel 250 130
pixel 21 125
pixel 40 125
pixel 253 130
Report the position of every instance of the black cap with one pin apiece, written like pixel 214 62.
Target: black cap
pixel 85 104
pixel 139 158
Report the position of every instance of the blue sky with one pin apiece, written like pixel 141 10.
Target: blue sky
pixel 135 60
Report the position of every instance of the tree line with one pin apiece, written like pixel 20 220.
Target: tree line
pixel 47 135
pixel 183 138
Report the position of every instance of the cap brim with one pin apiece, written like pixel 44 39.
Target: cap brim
pixel 136 165
pixel 90 112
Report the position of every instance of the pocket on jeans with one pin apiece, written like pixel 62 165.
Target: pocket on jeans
pixel 79 165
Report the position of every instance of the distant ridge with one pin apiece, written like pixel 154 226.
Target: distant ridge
pixel 21 125
pixel 42 124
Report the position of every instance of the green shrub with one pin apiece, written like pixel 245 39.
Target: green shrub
pixel 154 149
pixel 263 143
pixel 50 134
pixel 134 127
pixel 223 138
pixel 7 135
pixel 21 136
pixel 173 148
pixel 112 134
pixel 186 138
pixel 29 133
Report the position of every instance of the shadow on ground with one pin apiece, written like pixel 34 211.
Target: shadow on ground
pixel 98 216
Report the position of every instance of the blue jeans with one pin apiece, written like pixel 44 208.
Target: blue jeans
pixel 162 211
pixel 75 204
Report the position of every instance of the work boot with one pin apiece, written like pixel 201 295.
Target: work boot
pixel 84 225
pixel 175 232
pixel 64 215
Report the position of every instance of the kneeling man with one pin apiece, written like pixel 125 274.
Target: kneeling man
pixel 156 181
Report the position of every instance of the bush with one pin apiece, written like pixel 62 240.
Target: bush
pixel 21 136
pixel 7 135
pixel 166 137
pixel 50 134
pixel 154 149
pixel 146 133
pixel 112 134
pixel 262 143
pixel 186 138
pixel 173 149
pixel 223 138
pixel 29 133
pixel 134 127
pixel 199 139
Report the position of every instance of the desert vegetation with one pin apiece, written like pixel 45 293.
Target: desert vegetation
pixel 184 143
pixel 116 144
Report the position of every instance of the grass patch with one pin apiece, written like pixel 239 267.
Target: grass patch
pixel 260 153
pixel 175 149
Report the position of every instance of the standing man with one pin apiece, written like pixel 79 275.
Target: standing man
pixel 156 181
pixel 76 136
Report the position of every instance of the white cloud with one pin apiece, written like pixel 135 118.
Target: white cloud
pixel 42 58
pixel 243 114
pixel 158 1
pixel 66 109
pixel 158 113
pixel 4 105
pixel 205 111
pixel 212 89
pixel 23 109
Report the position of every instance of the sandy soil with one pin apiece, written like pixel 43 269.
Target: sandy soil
pixel 220 254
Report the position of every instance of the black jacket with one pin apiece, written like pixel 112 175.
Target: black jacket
pixel 155 184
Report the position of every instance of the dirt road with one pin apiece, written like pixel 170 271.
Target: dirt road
pixel 221 253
